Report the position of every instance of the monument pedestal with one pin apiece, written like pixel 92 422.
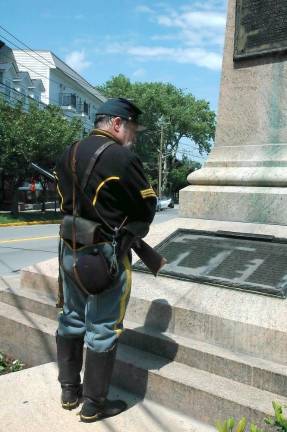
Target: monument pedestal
pixel 264 205
pixel 245 176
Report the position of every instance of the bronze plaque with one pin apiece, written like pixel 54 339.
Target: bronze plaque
pixel 261 28
pixel 247 262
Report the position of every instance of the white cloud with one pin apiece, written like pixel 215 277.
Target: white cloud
pixel 191 34
pixel 196 27
pixel 144 9
pixel 164 37
pixel 197 56
pixel 77 60
pixel 218 5
pixel 195 20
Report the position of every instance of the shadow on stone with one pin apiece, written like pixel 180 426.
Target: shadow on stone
pixel 156 349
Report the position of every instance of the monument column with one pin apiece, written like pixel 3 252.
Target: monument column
pixel 245 176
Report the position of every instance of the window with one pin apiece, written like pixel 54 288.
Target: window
pixel 68 99
pixel 86 108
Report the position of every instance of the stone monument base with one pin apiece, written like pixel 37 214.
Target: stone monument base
pixel 263 205
pixel 203 351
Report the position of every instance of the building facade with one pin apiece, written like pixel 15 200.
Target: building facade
pixel 62 85
pixel 41 77
pixel 44 77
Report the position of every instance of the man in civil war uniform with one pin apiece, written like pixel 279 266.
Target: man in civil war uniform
pixel 120 200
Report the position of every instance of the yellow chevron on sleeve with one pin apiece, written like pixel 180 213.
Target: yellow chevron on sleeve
pixel 147 193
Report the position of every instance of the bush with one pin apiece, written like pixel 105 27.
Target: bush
pixel 7 364
pixel 278 422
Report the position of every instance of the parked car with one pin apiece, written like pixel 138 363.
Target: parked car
pixel 164 203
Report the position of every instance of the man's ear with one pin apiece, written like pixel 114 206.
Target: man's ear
pixel 117 123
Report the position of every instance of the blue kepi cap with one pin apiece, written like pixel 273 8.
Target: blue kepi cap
pixel 120 107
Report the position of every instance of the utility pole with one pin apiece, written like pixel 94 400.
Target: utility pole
pixel 160 162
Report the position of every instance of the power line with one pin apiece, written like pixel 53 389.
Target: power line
pixel 21 64
pixel 46 97
pixel 77 79
pixel 29 69
pixel 27 96
pixel 38 74
pixel 189 152
pixel 23 43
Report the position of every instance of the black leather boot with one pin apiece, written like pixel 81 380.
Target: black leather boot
pixel 70 360
pixel 97 378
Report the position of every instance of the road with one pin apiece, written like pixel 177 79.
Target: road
pixel 26 245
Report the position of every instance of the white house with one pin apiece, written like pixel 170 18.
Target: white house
pixel 62 85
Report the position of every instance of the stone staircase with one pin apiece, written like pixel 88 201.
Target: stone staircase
pixel 197 351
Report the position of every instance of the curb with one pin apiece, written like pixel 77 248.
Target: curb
pixel 53 221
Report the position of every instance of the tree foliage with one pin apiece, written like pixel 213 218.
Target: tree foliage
pixel 36 135
pixel 183 116
pixel 177 176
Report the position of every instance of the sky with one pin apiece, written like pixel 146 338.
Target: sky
pixel 175 41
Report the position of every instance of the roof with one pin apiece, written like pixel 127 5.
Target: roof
pixel 7 66
pixel 22 75
pixel 49 59
pixel 38 83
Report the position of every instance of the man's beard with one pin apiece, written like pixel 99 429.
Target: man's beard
pixel 129 144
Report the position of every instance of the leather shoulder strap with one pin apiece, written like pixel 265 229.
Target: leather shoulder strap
pixel 76 183
pixel 93 162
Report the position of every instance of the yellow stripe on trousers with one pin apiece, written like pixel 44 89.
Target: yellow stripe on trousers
pixel 125 296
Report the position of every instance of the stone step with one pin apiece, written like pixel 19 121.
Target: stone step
pixel 26 335
pixel 194 392
pixel 253 371
pixel 40 303
pixel 200 394
pixel 34 394
pixel 240 322
pixel 250 370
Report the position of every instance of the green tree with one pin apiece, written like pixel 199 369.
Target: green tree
pixel 177 176
pixel 183 115
pixel 38 135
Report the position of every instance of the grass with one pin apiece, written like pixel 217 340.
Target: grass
pixel 30 217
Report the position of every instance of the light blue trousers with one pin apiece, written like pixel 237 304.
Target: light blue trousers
pixel 97 318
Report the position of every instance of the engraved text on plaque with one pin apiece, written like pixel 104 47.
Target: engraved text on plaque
pixel 261 28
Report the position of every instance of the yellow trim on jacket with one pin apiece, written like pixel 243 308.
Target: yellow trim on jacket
pixel 100 187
